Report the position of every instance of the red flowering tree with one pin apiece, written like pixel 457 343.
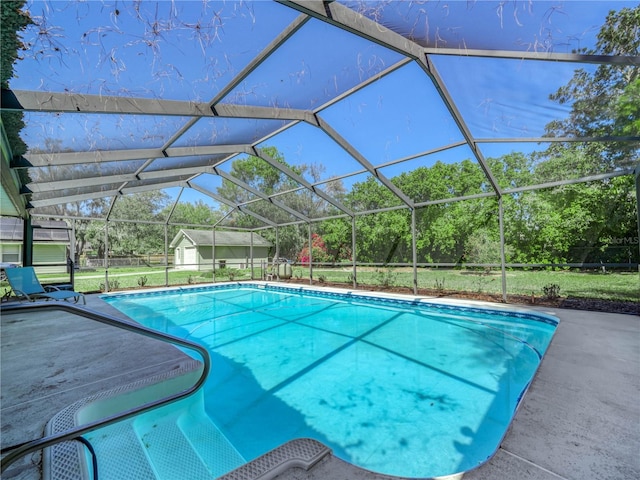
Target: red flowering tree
pixel 318 250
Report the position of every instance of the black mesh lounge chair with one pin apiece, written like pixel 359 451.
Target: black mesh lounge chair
pixel 25 285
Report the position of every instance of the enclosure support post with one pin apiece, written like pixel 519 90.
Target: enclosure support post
pixel 106 256
pixel 502 257
pixel 310 257
pixel 353 250
pixel 71 261
pixel 166 255
pixel 251 253
pixel 213 254
pixel 72 243
pixel 637 172
pixel 277 257
pixel 27 243
pixel 414 251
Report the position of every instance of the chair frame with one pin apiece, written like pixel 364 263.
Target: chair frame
pixel 39 291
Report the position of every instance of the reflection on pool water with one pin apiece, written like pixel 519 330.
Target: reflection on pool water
pixel 401 387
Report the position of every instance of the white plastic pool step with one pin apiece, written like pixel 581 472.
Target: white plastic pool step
pixel 164 443
pixel 210 444
pixel 120 453
pixel 172 442
pixel 156 448
pixel 204 453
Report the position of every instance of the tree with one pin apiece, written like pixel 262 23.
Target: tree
pixel 185 213
pixel 264 177
pixel 136 236
pixel 592 213
pixel 606 102
pixel 319 253
pixel 380 237
pixel 626 110
pixel 483 246
pixel 337 237
pixel 86 230
pixel 443 229
pixel 13 20
pixel 259 175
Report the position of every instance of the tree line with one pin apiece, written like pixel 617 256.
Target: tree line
pixel 589 222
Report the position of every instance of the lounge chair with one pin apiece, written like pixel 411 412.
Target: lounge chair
pixel 25 285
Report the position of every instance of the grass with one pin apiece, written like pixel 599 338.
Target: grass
pixel 130 277
pixel 619 286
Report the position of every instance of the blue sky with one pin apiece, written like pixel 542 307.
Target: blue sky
pixel 190 50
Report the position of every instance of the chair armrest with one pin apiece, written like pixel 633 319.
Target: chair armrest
pixel 21 294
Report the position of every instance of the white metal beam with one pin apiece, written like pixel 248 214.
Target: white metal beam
pixel 328 129
pixel 290 173
pixel 71 199
pixel 570 181
pixel 541 56
pixel 224 201
pixel 35 101
pixel 260 194
pixel 351 21
pixel 48 186
pixel 29 160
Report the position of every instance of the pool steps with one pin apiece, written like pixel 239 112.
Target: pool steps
pixel 66 460
pixel 146 447
pixel 189 435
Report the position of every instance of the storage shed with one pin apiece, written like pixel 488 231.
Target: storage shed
pixel 193 249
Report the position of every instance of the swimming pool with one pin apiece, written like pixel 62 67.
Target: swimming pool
pixel 401 387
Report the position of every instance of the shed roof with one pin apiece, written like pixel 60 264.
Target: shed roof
pixel 222 238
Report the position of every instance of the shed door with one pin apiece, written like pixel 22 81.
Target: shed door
pixel 190 258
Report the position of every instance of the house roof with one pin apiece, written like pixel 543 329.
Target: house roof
pixel 222 238
pixel 11 229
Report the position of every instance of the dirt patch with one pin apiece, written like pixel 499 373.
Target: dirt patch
pixel 595 305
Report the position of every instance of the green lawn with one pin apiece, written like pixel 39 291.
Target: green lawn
pixel 136 277
pixel 605 286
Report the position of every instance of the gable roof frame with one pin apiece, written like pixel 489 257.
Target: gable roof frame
pixel 351 21
pixel 336 14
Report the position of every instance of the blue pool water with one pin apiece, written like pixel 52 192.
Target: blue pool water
pixel 398 387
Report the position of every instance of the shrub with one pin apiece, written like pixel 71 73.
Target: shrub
pixel 110 285
pixel 318 250
pixel 551 291
pixel 142 281
pixel 386 278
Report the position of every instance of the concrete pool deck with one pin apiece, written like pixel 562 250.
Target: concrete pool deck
pixel 579 420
